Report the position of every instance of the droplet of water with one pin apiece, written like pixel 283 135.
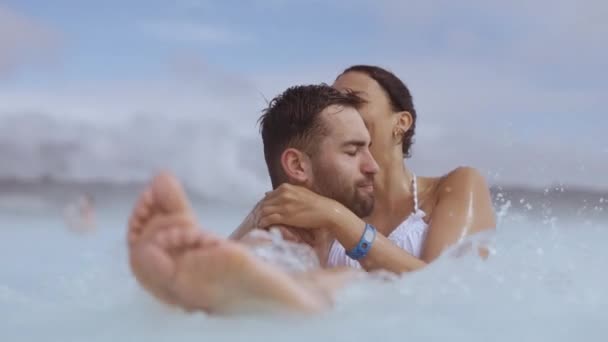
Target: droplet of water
pixel 517 295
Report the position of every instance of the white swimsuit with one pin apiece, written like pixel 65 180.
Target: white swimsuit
pixel 409 235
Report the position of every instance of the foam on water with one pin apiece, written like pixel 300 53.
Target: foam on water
pixel 544 281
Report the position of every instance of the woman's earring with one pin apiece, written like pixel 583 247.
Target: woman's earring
pixel 398 134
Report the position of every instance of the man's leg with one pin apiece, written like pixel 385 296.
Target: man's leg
pixel 183 265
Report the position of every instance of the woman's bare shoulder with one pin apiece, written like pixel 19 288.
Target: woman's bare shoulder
pixel 460 180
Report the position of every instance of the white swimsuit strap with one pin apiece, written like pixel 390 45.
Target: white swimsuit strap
pixel 415 191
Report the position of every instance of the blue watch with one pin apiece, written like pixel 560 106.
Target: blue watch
pixel 365 243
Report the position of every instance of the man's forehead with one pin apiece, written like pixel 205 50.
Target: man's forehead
pixel 335 109
pixel 344 122
pixel 338 114
pixel 339 108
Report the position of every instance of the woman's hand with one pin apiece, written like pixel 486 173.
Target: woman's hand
pixel 296 206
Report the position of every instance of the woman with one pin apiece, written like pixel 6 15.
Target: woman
pixel 419 215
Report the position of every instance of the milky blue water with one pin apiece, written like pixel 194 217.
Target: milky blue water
pixel 545 281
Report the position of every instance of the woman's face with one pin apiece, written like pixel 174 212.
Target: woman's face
pixel 376 112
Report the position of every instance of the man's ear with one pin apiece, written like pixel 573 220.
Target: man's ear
pixel 296 165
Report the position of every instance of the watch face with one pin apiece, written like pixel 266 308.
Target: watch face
pixel 369 235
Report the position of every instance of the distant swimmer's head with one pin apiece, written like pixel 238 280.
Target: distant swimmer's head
pixel 388 110
pixel 87 199
pixel 314 136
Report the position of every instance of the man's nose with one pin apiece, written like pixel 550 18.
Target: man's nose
pixel 370 166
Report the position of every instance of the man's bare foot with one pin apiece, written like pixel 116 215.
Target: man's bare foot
pixel 161 205
pixel 183 265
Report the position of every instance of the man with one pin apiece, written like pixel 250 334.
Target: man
pixel 313 137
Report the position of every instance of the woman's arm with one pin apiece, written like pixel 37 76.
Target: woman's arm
pixel 464 207
pixel 297 206
pixel 248 224
pixel 384 254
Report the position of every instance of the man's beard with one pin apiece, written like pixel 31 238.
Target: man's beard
pixel 338 188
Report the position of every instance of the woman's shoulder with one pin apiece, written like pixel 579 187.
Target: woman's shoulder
pixel 462 176
pixel 460 180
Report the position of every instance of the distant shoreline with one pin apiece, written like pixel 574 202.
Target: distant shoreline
pixel 25 186
pixel 558 199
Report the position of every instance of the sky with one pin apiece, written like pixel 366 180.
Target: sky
pixel 516 89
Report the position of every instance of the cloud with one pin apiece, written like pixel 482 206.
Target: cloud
pixel 116 101
pixel 125 131
pixel 23 41
pixel 183 31
pixel 195 119
pixel 516 89
pixel 538 37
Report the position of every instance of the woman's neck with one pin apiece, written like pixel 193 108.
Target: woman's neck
pixel 392 187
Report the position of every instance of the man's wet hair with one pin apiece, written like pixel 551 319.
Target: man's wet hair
pixel 293 120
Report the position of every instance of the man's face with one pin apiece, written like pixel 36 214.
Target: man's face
pixel 343 167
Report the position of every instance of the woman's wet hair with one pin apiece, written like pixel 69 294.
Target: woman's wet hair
pixel 398 94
